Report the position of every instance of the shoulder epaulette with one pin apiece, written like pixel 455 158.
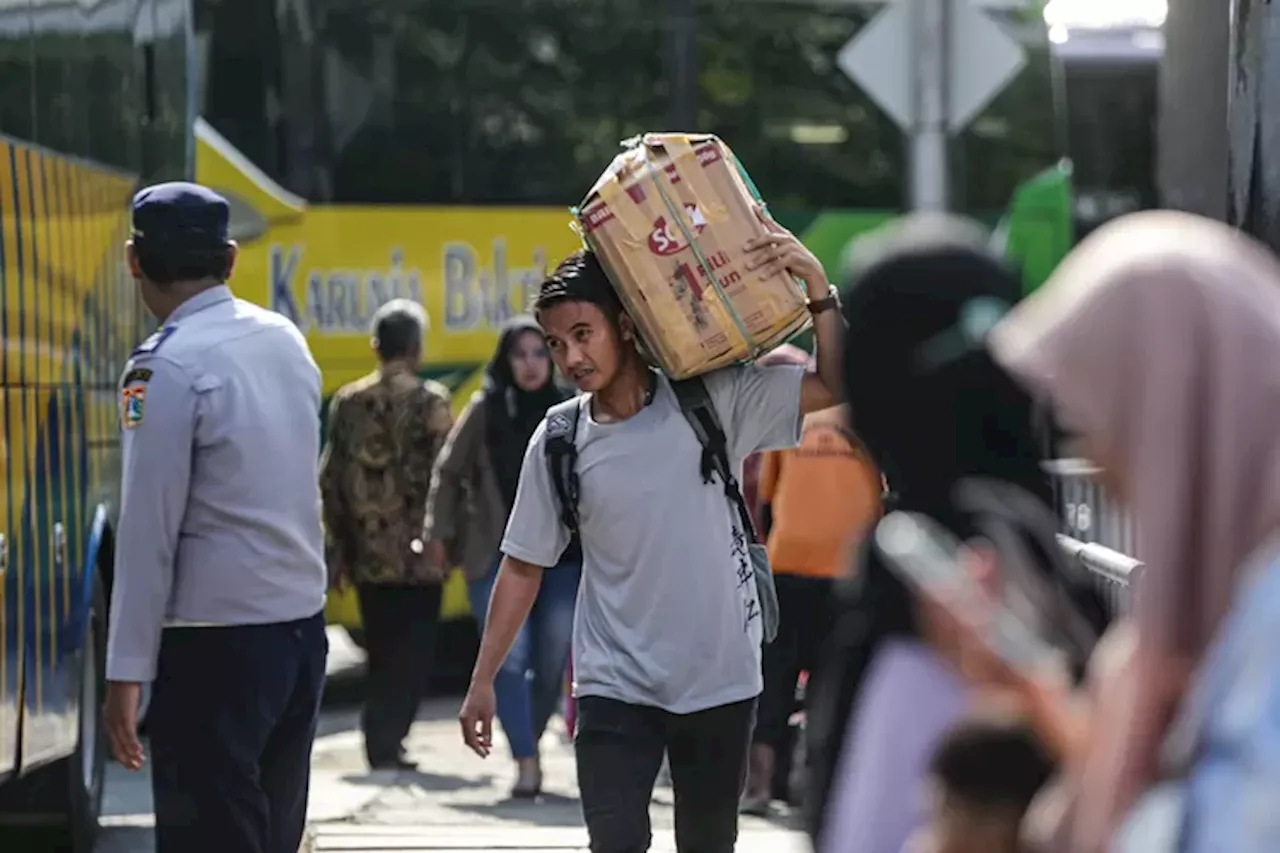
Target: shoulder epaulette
pixel 153 343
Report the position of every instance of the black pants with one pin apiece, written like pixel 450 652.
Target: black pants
pixel 805 612
pixel 619 749
pixel 232 717
pixel 400 637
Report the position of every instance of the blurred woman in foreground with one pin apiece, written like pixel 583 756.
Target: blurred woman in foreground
pixel 1158 341
pixel 934 410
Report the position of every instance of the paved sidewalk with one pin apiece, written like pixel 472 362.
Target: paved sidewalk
pixel 457 802
pixel 460 802
pixel 536 840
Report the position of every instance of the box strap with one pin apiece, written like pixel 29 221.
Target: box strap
pixel 682 154
pixel 629 214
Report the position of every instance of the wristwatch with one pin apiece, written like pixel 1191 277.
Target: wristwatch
pixel 831 300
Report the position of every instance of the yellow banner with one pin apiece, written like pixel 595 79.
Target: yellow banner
pixel 471 268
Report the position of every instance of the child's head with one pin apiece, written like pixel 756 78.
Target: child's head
pixel 983 777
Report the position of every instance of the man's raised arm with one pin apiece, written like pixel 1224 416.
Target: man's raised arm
pixel 780 251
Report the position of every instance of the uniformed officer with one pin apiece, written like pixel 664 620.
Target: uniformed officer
pixel 219 572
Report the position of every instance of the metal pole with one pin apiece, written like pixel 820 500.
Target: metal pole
pixel 930 179
pixel 1254 119
pixel 684 64
pixel 1191 140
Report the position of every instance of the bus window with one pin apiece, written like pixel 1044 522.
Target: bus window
pixel 1011 140
pixel 1108 107
pixel 60 69
pixel 17 72
pixel 169 152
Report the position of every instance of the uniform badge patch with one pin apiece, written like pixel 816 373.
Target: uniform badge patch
pixel 132 404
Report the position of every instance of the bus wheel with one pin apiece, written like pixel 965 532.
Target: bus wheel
pixel 85 770
pixel 357 637
pixel 57 807
pixel 87 767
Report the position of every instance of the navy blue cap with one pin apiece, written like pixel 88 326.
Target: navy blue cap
pixel 180 215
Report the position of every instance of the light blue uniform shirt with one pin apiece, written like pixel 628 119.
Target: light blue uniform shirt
pixel 1234 784
pixel 1221 759
pixel 220 501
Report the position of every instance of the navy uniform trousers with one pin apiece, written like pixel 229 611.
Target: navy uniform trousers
pixel 233 714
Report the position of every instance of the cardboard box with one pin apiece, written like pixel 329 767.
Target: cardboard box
pixel 668 220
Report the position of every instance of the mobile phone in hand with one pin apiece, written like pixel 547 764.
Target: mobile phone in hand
pixel 930 559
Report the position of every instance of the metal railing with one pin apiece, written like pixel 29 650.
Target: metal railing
pixel 1113 571
pixel 1087 513
pixel 1096 530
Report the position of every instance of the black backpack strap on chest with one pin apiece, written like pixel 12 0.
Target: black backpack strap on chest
pixel 562 457
pixel 700 411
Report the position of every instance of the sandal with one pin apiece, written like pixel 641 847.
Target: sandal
pixel 528 783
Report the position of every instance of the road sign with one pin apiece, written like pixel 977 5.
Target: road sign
pixel 981 60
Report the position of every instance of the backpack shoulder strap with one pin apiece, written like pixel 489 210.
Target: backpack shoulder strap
pixel 562 457
pixel 700 411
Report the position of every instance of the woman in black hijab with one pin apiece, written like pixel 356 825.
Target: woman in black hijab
pixel 934 410
pixel 519 387
pixel 475 484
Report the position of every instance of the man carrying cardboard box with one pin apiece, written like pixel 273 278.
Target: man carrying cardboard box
pixel 668 635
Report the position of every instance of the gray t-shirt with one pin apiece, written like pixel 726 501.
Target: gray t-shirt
pixel 667 613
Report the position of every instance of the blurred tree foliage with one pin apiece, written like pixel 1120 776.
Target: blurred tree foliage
pixel 525 101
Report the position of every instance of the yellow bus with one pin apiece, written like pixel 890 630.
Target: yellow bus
pixel 93 102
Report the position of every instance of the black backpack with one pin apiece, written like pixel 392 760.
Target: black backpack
pixel 700 412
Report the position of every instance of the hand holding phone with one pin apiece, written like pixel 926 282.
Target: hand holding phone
pixel 936 564
pixel 987 640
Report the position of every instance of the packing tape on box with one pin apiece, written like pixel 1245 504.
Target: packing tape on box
pixel 627 212
pixel 685 160
pixel 726 304
pixel 669 309
pixel 662 310
pixel 636 219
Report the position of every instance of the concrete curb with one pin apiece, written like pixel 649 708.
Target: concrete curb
pixel 473 839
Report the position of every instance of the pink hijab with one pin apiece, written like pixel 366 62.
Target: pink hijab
pixel 1158 341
